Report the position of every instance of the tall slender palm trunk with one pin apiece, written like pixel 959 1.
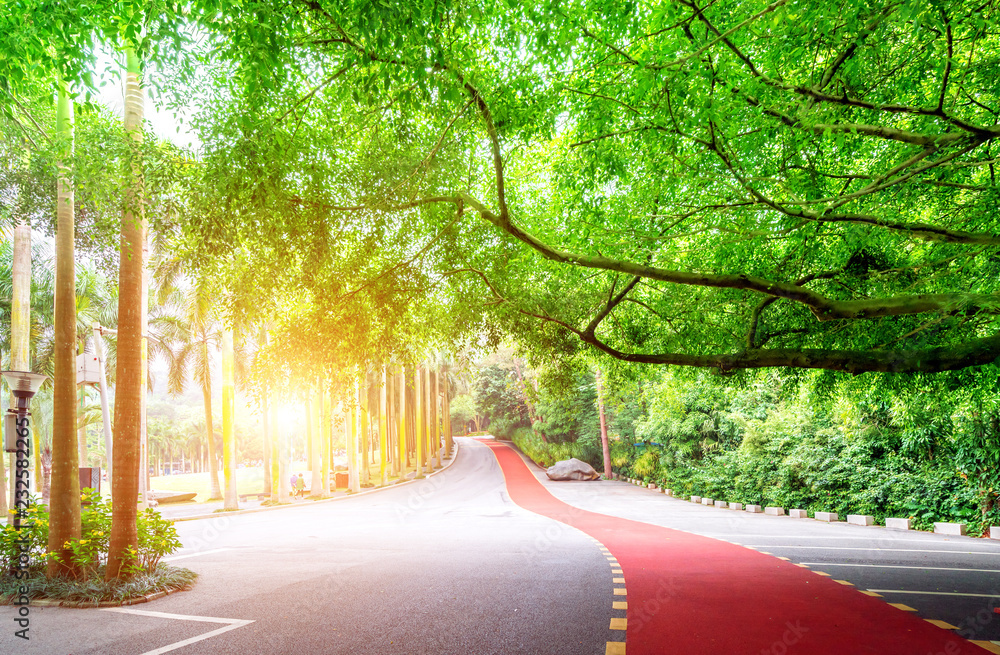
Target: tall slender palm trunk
pixel 326 433
pixel 228 419
pixel 64 502
pixel 20 337
pixel 383 431
pixel 215 491
pixel 315 442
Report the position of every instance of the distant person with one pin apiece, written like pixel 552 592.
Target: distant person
pixel 300 485
pixel 294 479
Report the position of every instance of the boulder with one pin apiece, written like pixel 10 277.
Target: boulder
pixel 169 496
pixel 572 469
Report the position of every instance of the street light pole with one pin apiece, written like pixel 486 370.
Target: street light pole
pixel 17 436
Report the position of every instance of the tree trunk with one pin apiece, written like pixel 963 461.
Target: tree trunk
pixel 215 491
pixel 351 433
pixel 134 96
pixel 64 504
pixel 310 434
pixel 231 501
pixel 281 491
pixel 46 482
pixel 326 432
pixel 20 339
pixel 446 411
pixel 365 425
pixel 401 433
pixel 435 431
pixel 418 419
pixel 266 445
pixel 604 428
pixel 81 432
pixel 315 441
pixel 383 431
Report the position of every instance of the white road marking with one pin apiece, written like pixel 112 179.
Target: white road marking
pixel 893 566
pixel 204 552
pixel 232 624
pixel 884 550
pixel 933 593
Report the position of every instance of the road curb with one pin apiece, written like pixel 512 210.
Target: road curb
pixel 253 510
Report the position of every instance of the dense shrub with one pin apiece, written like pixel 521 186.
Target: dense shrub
pixel 157 537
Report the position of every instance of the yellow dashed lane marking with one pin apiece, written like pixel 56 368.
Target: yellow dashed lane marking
pixel 802 565
pixel 618 580
pixel 619 605
pixel 618 624
pixel 942 624
pixel 870 593
pixel 905 608
pixel 620 591
pixel 784 558
pixel 849 584
pixel 827 575
pixel 615 648
pixel 988 645
pixel 616 570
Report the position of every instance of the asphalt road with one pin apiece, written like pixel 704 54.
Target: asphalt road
pixel 451 565
pixel 942 578
pixel 446 565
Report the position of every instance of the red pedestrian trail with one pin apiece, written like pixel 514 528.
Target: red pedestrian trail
pixel 694 595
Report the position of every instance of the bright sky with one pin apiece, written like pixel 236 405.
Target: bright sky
pixel 112 96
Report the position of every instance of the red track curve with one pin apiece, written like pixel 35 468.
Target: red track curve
pixel 693 595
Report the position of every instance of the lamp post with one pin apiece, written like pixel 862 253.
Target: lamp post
pixel 17 434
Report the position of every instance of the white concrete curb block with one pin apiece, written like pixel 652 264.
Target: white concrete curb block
pixel 860 519
pixel 721 503
pixel 957 529
pixel 736 506
pixel 829 517
pixel 774 511
pixel 900 524
pixel 695 499
pixel 753 509
pixel 798 513
pixel 706 501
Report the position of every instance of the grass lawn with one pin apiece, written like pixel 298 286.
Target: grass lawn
pixel 247 480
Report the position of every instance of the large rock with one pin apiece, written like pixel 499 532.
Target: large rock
pixel 170 496
pixel 572 469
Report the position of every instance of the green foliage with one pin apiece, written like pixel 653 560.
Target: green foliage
pixel 925 450
pixel 93 587
pixel 570 414
pixel 496 395
pixel 546 454
pixel 463 410
pixel 157 537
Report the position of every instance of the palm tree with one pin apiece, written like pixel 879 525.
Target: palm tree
pixel 130 363
pixel 200 338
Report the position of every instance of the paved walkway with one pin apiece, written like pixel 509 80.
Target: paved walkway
pixel 686 593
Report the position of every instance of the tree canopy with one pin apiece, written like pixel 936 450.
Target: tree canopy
pixel 730 185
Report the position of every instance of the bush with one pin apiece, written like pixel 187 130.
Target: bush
pixel 547 454
pixel 157 537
